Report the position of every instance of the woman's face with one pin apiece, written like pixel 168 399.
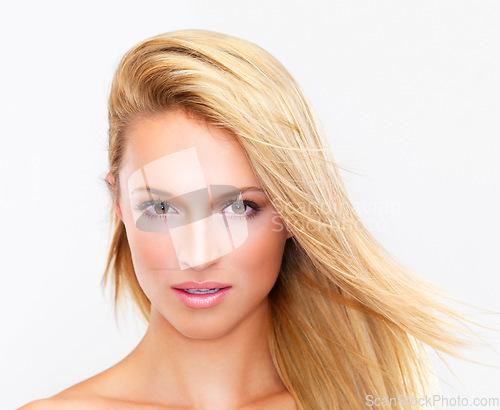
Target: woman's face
pixel 195 214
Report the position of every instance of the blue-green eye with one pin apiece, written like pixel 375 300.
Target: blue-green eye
pixel 156 209
pixel 238 208
pixel 235 208
pixel 161 208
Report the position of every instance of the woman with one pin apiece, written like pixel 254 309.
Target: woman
pixel 235 238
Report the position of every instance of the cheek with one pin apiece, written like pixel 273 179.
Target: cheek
pixel 262 253
pixel 151 257
pixel 151 251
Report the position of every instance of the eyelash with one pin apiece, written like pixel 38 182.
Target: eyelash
pixel 145 205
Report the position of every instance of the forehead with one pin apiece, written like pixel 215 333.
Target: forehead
pixel 220 157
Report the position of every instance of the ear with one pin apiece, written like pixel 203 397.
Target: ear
pixel 118 211
pixel 111 179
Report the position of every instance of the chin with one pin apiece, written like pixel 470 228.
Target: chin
pixel 203 331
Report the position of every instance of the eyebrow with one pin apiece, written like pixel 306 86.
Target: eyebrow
pixel 157 191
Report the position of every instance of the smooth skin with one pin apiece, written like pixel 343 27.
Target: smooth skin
pixel 215 358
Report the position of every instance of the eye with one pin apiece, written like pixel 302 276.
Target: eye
pixel 156 209
pixel 161 208
pixel 236 209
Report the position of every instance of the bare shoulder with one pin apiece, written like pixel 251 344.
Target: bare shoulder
pixel 42 404
pixel 66 403
pixel 83 395
pixel 93 393
pixel 63 403
pixel 84 403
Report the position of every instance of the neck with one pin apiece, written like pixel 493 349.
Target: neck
pixel 223 372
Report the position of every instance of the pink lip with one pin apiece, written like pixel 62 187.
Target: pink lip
pixel 197 301
pixel 200 285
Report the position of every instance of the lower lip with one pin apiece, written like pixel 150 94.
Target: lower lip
pixel 197 301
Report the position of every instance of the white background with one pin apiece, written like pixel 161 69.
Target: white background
pixel 408 91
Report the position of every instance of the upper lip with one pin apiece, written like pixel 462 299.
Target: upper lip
pixel 200 285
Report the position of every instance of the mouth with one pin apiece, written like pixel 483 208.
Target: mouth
pixel 201 295
pixel 201 291
pixel 201 287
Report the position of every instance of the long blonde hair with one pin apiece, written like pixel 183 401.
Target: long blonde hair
pixel 348 320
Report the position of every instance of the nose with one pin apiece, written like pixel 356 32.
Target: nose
pixel 200 244
pixel 201 266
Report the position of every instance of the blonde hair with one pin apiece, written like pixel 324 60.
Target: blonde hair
pixel 348 320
